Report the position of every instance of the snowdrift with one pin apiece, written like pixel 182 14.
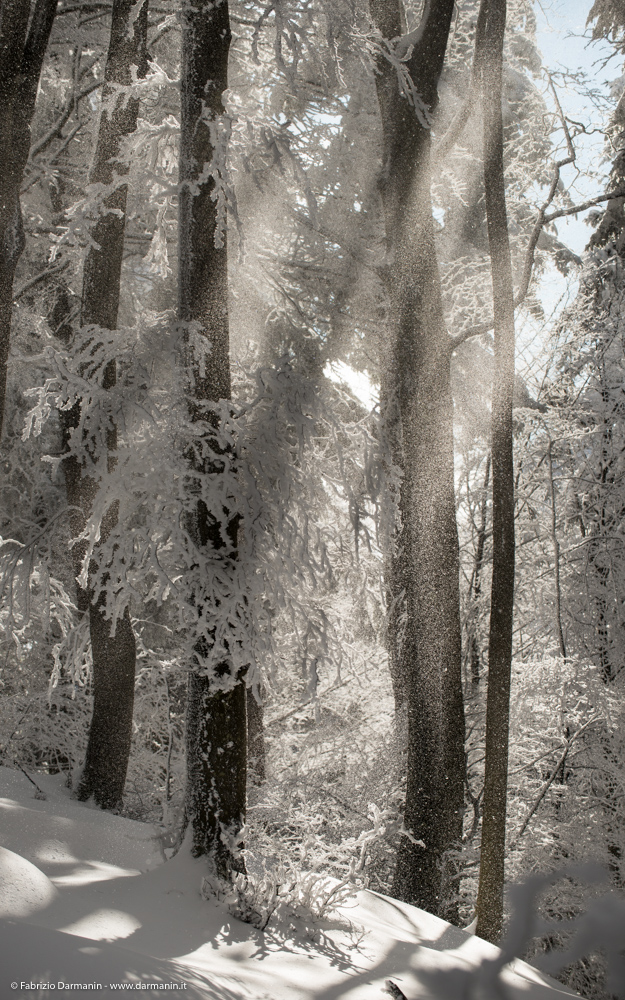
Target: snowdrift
pixel 90 907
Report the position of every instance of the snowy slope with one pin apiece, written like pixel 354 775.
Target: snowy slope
pixel 89 900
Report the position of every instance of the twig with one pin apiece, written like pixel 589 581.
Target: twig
pixel 544 217
pixel 298 708
pixel 48 272
pixel 41 795
pixel 394 990
pixel 70 104
pixel 19 722
pixel 608 196
pixel 551 778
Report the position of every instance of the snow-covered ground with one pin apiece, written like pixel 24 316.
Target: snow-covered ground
pixel 88 898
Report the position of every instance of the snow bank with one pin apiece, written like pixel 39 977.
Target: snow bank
pixel 24 889
pixel 114 916
pixel 65 838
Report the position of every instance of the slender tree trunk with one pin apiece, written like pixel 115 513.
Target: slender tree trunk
pixel 22 50
pixel 108 747
pixel 417 378
pixel 489 52
pixel 556 552
pixel 216 719
pixel 257 754
pixel 474 649
pixel 597 555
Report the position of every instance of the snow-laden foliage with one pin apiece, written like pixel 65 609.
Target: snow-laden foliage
pixel 260 454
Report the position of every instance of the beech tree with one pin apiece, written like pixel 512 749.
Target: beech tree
pixel 112 643
pixel 489 55
pixel 416 398
pixel 245 506
pixel 24 32
pixel 216 700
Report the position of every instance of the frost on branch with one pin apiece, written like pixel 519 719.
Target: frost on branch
pixel 257 457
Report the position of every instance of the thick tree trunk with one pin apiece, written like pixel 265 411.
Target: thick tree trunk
pixel 216 720
pixel 489 53
pixel 417 378
pixel 108 748
pixel 22 50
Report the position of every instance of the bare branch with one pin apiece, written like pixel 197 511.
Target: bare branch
pixel 48 272
pixel 62 120
pixel 543 219
pixel 447 141
pixel 560 763
pixel 608 196
pixel 528 266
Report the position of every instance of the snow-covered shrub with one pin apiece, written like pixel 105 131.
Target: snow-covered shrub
pixel 287 896
pixel 154 789
pixel 46 707
pixel 44 734
pixel 297 892
pixel 331 765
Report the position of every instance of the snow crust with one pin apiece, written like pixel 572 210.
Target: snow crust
pixel 87 898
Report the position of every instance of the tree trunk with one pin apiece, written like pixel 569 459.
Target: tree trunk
pixel 216 719
pixel 22 50
pixel 108 747
pixel 417 378
pixel 556 553
pixel 393 562
pixel 489 53
pixel 257 753
pixel 598 558
pixel 474 649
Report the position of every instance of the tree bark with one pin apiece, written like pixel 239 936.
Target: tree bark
pixel 598 558
pixel 257 754
pixel 417 377
pixel 22 50
pixel 474 650
pixel 216 719
pixel 108 747
pixel 556 553
pixel 489 54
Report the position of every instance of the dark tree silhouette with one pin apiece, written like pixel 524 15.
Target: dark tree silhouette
pixel 489 57
pixel 108 748
pixel 216 718
pixel 24 32
pixel 416 397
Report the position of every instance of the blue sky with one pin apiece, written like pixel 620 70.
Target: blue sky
pixel 561 27
pixel 561 23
